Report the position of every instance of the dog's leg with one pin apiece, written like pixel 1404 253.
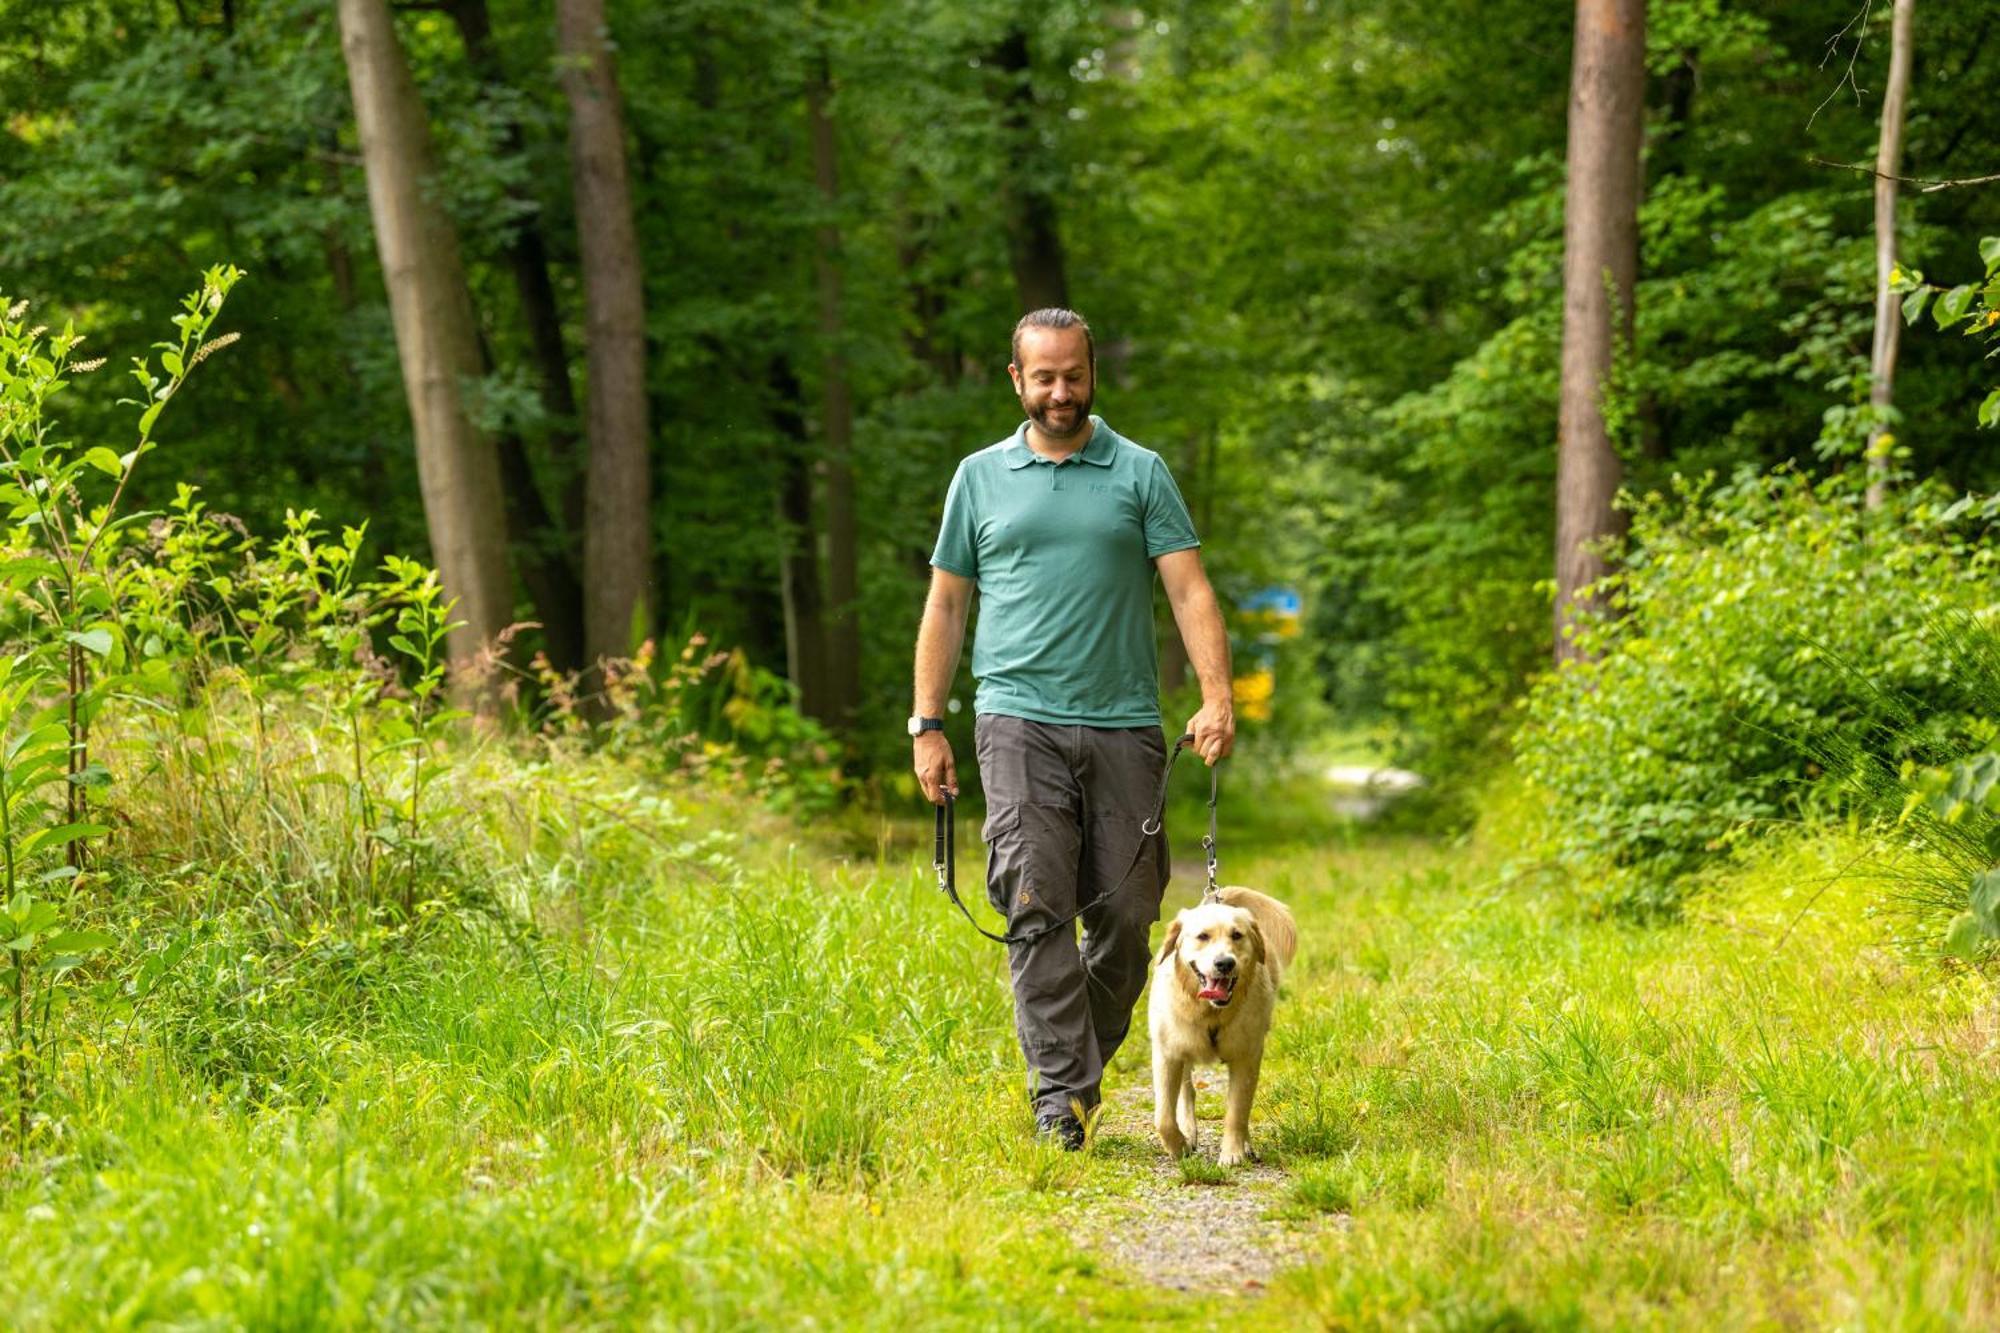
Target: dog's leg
pixel 1236 1115
pixel 1185 1107
pixel 1169 1076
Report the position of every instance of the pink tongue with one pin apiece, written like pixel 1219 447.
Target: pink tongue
pixel 1213 991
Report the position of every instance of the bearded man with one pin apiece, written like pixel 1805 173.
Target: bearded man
pixel 1061 527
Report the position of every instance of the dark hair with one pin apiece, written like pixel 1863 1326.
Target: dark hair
pixel 1054 317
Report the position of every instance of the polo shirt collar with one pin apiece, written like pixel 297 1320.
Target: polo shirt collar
pixel 1103 443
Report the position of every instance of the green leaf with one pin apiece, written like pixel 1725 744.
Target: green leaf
pixel 105 461
pixel 172 362
pixel 1989 411
pixel 79 941
pixel 1984 899
pixel 149 416
pixel 1914 303
pixel 59 836
pixel 1964 939
pixel 1989 252
pixel 91 775
pixel 1954 305
pixel 96 641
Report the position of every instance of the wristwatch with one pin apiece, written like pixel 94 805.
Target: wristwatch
pixel 920 725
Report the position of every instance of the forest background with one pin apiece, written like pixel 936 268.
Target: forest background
pixel 1322 245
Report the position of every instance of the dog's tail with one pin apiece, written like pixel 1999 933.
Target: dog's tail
pixel 1274 923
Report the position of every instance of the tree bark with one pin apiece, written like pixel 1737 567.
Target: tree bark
pixel 1600 266
pixel 1888 312
pixel 1034 239
pixel 541 314
pixel 437 337
pixel 617 536
pixel 843 585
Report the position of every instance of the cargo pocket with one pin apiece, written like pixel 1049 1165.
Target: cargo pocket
pixel 1005 867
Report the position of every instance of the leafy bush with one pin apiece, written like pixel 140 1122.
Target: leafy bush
pixel 1774 642
pixel 243 752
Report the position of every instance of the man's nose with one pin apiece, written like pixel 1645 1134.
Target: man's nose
pixel 1060 394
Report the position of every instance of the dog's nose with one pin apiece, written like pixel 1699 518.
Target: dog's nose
pixel 1225 965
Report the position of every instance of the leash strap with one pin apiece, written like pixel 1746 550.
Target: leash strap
pixel 944 853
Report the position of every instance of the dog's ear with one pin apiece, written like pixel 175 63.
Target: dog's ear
pixel 1171 943
pixel 1256 937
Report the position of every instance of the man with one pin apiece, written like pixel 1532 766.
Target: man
pixel 1060 527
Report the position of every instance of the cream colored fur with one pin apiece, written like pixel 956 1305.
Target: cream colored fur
pixel 1259 933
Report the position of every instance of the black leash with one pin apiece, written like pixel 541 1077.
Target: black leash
pixel 944 853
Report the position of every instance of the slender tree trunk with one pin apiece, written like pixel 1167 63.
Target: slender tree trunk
pixel 552 544
pixel 843 585
pixel 617 537
pixel 1600 265
pixel 1034 240
pixel 1888 314
pixel 437 337
pixel 798 546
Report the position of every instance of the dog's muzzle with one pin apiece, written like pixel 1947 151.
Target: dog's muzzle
pixel 1217 990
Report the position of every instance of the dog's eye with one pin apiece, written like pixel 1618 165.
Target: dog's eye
pixel 1201 938
pixel 1235 934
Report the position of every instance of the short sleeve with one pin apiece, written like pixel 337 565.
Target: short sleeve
pixel 957 550
pixel 1168 524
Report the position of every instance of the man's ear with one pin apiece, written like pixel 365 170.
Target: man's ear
pixel 1171 943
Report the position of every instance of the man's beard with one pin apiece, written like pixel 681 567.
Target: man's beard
pixel 1077 419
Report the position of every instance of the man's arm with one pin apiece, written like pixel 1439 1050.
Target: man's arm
pixel 939 640
pixel 1200 621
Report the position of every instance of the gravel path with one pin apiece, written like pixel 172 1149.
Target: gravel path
pixel 1219 1237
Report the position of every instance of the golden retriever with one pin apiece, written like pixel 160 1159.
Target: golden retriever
pixel 1215 984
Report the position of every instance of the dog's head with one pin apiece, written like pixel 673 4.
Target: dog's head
pixel 1213 948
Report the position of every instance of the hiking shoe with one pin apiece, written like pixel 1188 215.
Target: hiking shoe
pixel 1064 1130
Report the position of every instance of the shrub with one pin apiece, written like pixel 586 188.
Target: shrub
pixel 1774 642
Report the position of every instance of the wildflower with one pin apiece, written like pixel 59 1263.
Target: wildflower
pixel 212 345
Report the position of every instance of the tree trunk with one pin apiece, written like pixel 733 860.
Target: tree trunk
pixel 1034 242
pixel 1600 264
pixel 437 337
pixel 617 536
pixel 541 315
pixel 798 547
pixel 843 587
pixel 1888 312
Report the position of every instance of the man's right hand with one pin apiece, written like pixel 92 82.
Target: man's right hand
pixel 935 770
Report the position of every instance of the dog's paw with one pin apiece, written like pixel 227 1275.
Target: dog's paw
pixel 1233 1154
pixel 1171 1140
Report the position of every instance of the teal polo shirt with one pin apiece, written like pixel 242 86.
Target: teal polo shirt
pixel 1063 556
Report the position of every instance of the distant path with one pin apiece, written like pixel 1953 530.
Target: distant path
pixel 1364 789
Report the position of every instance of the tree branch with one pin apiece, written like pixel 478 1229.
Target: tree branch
pixel 1929 185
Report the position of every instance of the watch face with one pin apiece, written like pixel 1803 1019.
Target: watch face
pixel 916 726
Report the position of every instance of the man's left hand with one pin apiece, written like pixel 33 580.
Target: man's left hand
pixel 1214 731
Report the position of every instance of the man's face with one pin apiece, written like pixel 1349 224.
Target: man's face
pixel 1053 379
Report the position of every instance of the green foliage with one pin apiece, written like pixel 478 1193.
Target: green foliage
pixel 1976 305
pixel 1773 647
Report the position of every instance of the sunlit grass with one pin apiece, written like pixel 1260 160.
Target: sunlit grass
pixel 781 1087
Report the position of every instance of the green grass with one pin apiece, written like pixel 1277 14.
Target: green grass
pixel 781 1088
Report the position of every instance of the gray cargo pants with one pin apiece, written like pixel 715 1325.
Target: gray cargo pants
pixel 1064 810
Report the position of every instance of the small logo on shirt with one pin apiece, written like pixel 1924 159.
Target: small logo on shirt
pixel 1100 487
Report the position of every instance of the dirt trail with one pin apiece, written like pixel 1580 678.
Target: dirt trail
pixel 1192 1236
